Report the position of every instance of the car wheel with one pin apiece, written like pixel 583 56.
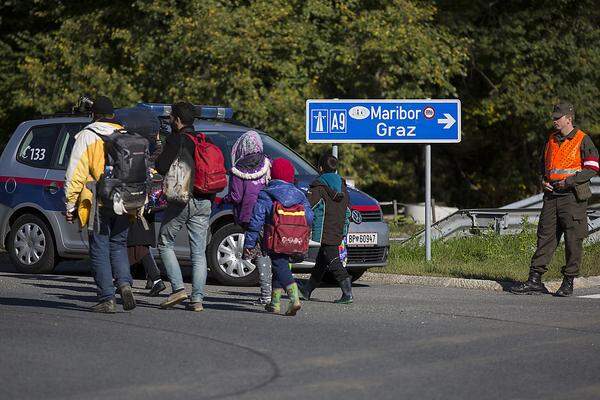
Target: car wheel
pixel 31 246
pixel 225 255
pixel 355 274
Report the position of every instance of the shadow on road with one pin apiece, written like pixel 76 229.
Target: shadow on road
pixel 35 303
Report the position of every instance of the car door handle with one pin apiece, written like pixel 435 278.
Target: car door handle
pixel 52 188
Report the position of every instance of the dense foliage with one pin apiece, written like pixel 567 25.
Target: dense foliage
pixel 507 61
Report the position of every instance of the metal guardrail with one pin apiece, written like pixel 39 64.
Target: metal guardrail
pixel 394 204
pixel 502 221
pixel 506 220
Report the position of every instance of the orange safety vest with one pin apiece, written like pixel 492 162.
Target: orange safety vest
pixel 563 160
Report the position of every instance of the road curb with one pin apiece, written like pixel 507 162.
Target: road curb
pixel 481 284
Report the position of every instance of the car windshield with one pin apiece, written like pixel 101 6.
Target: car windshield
pixel 271 147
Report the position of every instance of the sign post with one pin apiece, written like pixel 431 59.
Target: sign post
pixel 387 121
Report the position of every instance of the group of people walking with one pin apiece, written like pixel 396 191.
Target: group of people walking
pixel 278 219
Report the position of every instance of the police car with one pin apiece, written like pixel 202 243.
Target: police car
pixel 34 231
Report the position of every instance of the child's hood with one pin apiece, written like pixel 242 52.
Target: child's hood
pixel 285 193
pixel 252 166
pixel 333 184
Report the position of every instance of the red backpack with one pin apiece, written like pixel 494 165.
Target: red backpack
pixel 288 233
pixel 210 175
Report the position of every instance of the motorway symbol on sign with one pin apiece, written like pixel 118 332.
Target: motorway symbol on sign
pixel 383 121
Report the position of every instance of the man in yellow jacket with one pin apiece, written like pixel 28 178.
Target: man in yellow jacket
pixel 108 236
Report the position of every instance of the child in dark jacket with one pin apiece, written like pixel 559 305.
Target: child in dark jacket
pixel 250 173
pixel 281 189
pixel 328 196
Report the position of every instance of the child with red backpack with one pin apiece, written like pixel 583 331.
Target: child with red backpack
pixel 284 212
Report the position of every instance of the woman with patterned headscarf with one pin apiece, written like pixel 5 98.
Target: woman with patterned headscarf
pixel 250 172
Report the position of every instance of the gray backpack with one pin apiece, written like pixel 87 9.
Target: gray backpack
pixel 177 181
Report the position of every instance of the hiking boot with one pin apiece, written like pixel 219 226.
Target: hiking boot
pixel 533 285
pixel 196 306
pixel 106 306
pixel 157 288
pixel 294 302
pixel 275 305
pixel 346 286
pixel 566 288
pixel 307 288
pixel 127 297
pixel 174 299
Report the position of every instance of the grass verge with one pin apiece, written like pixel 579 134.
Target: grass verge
pixel 489 256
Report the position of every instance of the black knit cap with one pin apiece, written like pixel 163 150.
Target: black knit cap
pixel 103 105
pixel 184 111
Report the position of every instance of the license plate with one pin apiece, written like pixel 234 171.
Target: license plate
pixel 362 239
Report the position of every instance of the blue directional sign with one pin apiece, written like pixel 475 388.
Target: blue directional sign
pixel 383 121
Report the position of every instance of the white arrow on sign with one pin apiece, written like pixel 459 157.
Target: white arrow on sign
pixel 449 121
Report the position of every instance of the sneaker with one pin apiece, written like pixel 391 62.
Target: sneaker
pixel 127 297
pixel 197 306
pixel 157 288
pixel 261 301
pixel 106 306
pixel 174 299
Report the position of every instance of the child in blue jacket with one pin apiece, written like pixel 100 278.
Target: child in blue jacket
pixel 281 188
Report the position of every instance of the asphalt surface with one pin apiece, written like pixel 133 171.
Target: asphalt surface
pixel 395 342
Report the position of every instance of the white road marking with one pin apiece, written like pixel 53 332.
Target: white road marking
pixel 590 296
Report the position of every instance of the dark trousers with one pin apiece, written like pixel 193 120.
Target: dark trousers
pixel 152 271
pixel 108 253
pixel 282 275
pixel 561 215
pixel 328 258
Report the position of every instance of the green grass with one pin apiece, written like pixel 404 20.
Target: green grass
pixel 403 227
pixel 489 256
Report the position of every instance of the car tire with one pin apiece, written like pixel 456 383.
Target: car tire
pixel 31 245
pixel 224 255
pixel 355 274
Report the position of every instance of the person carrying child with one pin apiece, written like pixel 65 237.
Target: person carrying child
pixel 329 198
pixel 250 173
pixel 284 213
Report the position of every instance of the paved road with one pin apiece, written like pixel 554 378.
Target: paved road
pixel 396 342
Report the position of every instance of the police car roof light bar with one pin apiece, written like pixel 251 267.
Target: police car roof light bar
pixel 202 111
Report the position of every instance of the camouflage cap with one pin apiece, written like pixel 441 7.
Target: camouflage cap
pixel 562 109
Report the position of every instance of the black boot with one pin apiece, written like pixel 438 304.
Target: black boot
pixel 566 288
pixel 346 286
pixel 532 285
pixel 305 289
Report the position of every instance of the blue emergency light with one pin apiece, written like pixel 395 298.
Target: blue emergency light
pixel 204 112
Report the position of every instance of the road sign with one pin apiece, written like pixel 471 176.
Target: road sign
pixel 383 121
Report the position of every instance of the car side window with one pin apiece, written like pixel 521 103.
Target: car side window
pixel 38 145
pixel 65 146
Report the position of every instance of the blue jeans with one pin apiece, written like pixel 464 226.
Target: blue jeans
pixel 108 253
pixel 195 215
pixel 282 275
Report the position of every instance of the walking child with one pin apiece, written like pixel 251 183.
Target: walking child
pixel 328 195
pixel 285 214
pixel 250 173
